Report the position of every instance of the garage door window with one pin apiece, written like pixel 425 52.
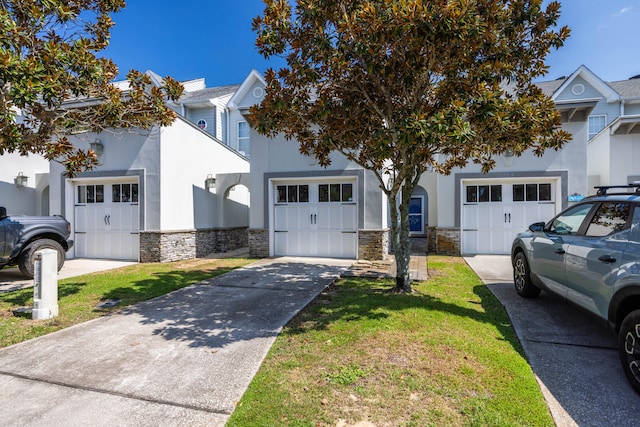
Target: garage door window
pixel 124 193
pixel 90 194
pixel 532 192
pixel 484 193
pixel 293 193
pixel 335 193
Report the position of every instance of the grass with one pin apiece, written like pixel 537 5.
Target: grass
pixel 360 356
pixel 79 296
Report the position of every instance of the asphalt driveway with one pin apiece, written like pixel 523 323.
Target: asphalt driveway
pixel 573 356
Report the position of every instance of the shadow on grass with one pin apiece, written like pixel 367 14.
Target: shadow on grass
pixel 256 302
pixel 374 303
pixel 24 296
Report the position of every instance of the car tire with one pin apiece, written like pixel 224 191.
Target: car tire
pixel 27 257
pixel 522 277
pixel 629 348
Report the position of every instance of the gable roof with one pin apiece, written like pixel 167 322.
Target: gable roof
pixel 596 82
pixel 254 76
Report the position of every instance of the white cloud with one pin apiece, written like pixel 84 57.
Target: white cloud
pixel 623 11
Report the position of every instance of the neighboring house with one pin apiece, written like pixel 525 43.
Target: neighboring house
pixel 210 110
pixel 170 193
pixel 300 208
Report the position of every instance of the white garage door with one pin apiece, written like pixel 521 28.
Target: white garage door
pixel 493 212
pixel 316 219
pixel 106 220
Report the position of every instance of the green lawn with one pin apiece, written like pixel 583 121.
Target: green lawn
pixel 445 355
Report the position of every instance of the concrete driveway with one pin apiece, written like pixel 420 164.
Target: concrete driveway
pixel 183 359
pixel 573 356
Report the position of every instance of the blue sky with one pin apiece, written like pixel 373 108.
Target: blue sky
pixel 189 39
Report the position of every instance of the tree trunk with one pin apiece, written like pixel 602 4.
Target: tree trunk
pixel 401 242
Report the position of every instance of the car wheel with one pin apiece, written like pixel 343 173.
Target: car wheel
pixel 27 257
pixel 629 348
pixel 522 277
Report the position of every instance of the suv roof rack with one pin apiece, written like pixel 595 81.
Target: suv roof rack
pixel 602 189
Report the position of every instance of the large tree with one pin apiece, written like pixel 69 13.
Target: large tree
pixel 53 81
pixel 399 86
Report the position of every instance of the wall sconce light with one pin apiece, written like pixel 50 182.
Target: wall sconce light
pixel 97 148
pixel 508 158
pixel 210 182
pixel 21 180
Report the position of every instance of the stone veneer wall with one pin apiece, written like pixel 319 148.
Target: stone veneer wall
pixel 447 241
pixel 217 240
pixel 258 243
pixel 165 246
pixel 373 245
pixel 432 246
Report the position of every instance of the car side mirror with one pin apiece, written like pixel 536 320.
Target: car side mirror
pixel 3 212
pixel 537 226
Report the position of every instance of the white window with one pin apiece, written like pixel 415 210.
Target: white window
pixel 596 124
pixel 243 137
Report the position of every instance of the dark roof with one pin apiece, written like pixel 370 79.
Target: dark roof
pixel 627 88
pixel 549 88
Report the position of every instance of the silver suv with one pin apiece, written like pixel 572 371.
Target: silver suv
pixel 590 255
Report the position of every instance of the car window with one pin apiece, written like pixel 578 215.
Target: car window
pixel 570 220
pixel 610 218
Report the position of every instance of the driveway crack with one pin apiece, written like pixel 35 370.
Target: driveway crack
pixel 114 393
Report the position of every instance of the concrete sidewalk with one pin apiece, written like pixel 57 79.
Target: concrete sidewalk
pixel 185 358
pixel 573 357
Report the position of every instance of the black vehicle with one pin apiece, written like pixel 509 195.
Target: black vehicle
pixel 589 255
pixel 22 236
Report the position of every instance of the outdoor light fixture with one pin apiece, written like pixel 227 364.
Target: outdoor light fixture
pixel 210 182
pixel 97 148
pixel 21 180
pixel 508 158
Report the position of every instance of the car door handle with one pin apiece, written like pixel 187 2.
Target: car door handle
pixel 560 251
pixel 608 259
